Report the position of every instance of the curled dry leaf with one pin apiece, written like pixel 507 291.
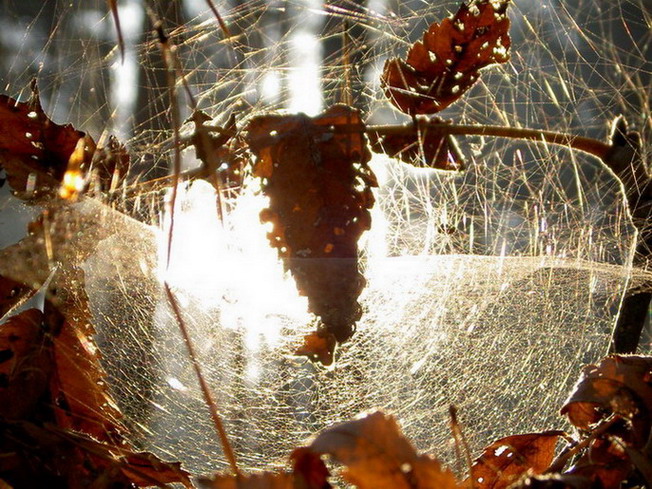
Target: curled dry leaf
pixel 377 455
pixel 506 460
pixel 319 186
pixel 440 68
pixel 605 463
pixel 424 148
pixel 38 156
pixel 618 384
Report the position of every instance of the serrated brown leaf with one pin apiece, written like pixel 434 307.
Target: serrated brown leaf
pixel 41 157
pixel 34 151
pixel 78 386
pixel 265 480
pixel 25 365
pixel 441 67
pixel 506 460
pixel 423 148
pixel 618 384
pixel 319 186
pixel 377 455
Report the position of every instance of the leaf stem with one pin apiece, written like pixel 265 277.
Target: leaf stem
pixel 560 462
pixel 591 146
pixel 587 145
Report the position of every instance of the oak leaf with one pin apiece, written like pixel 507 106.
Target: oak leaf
pixel 377 455
pixel 506 460
pixel 441 67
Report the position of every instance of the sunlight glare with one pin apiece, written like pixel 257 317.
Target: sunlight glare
pixel 231 267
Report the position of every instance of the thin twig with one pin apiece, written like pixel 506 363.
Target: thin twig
pixel 460 441
pixel 208 396
pixel 220 20
pixel 171 68
pixel 113 6
pixel 588 145
pixel 560 462
pixel 176 123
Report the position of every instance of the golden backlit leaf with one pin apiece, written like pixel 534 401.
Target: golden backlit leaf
pixel 441 67
pixel 319 186
pixel 376 455
pixel 506 460
pixel 620 384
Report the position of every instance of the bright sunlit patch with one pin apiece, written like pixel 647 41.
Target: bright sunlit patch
pixel 303 78
pixel 230 267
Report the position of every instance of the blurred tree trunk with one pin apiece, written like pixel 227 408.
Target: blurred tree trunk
pixel 345 38
pixel 151 117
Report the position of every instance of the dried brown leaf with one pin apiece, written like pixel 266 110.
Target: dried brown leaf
pixel 25 365
pixel 377 455
pixel 441 67
pixel 319 186
pixel 42 158
pixel 618 384
pixel 605 463
pixel 506 460
pixel 34 151
pixel 309 470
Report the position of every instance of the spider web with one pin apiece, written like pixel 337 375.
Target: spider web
pixel 487 289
